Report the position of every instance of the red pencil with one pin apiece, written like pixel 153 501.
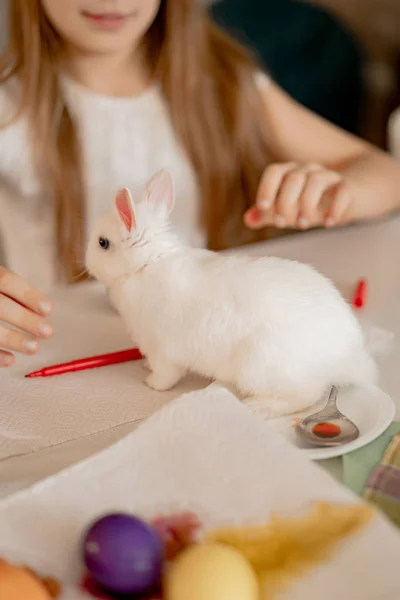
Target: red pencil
pixel 92 362
pixel 360 294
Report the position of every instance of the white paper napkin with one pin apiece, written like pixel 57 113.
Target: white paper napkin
pixel 208 453
pixel 37 413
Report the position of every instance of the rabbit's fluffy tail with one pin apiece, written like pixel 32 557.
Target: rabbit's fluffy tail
pixel 379 342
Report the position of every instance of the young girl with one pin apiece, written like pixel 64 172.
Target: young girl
pixel 100 94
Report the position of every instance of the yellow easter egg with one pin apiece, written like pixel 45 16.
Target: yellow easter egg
pixel 18 584
pixel 211 572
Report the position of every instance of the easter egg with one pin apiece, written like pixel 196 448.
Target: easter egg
pixel 211 572
pixel 123 554
pixel 17 583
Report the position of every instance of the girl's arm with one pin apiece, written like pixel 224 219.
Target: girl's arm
pixel 322 175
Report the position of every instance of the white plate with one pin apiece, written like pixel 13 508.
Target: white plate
pixel 370 408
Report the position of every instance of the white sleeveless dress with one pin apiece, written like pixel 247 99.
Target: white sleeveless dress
pixel 125 141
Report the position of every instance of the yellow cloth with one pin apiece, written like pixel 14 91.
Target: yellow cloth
pixel 285 549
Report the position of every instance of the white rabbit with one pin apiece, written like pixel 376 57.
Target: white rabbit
pixel 276 330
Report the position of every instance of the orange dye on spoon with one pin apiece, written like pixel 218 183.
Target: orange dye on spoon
pixel 326 430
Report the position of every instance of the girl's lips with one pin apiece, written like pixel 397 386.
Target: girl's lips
pixel 106 21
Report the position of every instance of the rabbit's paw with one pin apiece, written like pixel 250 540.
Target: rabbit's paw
pixel 268 408
pixel 164 381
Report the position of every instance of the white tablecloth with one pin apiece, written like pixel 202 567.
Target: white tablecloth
pixel 48 424
pixel 209 454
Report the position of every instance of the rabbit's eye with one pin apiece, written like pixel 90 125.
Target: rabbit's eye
pixel 104 243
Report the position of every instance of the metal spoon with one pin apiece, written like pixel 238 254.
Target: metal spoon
pixel 328 427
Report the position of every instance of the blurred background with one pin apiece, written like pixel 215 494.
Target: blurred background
pixel 340 58
pixel 375 25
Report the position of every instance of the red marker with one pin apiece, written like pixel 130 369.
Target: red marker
pixel 92 362
pixel 360 295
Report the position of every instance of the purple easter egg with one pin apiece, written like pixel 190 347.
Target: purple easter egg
pixel 123 554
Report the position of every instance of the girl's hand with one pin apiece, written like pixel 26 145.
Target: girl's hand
pixel 292 195
pixel 23 307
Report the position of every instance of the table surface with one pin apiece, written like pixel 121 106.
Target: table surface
pixel 344 255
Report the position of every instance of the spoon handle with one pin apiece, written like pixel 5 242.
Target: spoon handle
pixel 332 398
pixel 330 408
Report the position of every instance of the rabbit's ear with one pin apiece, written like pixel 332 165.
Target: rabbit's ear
pixel 159 191
pixel 125 209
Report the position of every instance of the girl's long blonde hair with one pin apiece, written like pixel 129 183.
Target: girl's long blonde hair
pixel 215 106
